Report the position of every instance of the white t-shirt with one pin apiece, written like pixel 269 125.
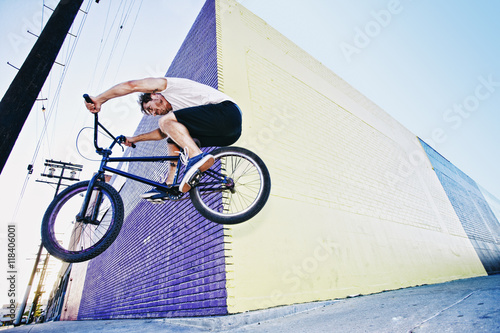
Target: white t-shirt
pixel 185 93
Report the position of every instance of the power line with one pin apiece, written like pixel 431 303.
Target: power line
pixel 59 86
pixel 128 39
pixel 122 22
pixel 44 129
pixel 104 41
pixel 52 165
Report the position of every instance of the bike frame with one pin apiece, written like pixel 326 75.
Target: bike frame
pixel 105 153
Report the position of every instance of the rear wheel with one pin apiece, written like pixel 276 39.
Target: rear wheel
pixel 75 240
pixel 234 189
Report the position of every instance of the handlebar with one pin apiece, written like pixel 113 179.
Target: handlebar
pixel 87 98
pixel 118 139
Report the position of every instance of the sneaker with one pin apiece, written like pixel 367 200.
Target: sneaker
pixel 201 163
pixel 160 198
pixel 154 193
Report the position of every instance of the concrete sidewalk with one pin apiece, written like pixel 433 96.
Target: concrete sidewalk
pixel 471 305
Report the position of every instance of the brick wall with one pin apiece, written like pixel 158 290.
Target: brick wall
pixel 167 261
pixel 355 206
pixel 477 217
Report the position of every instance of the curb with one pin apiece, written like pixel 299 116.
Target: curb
pixel 233 321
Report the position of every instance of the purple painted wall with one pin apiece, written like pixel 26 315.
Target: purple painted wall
pixel 168 261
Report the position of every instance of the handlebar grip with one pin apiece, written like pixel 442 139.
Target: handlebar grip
pixel 122 138
pixel 87 98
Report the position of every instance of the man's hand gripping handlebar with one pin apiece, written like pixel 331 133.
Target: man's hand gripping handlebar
pixel 121 139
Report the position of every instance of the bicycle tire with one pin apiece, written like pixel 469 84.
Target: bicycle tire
pixel 73 241
pixel 252 186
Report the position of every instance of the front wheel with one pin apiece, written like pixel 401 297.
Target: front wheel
pixel 234 189
pixel 75 240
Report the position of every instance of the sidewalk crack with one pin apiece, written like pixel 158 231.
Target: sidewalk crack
pixel 438 313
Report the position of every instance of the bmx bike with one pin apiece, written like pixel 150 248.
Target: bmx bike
pixel 84 219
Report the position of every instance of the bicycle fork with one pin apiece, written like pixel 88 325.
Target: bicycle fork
pixel 80 217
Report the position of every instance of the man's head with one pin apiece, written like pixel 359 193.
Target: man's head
pixel 154 104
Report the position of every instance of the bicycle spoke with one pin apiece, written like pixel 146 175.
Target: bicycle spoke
pixel 74 237
pixel 83 235
pixel 243 185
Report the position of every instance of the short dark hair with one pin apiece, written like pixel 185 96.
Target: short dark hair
pixel 143 99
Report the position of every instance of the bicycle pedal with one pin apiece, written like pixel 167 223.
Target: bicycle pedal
pixel 196 178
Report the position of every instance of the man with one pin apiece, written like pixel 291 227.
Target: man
pixel 188 110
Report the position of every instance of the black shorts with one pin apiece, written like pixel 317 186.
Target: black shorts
pixel 212 124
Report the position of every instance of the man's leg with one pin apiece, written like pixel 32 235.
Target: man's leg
pixel 172 148
pixel 155 193
pixel 180 135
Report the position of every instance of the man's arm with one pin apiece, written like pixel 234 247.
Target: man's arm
pixel 148 85
pixel 151 136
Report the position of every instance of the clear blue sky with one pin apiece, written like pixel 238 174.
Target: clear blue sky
pixel 432 65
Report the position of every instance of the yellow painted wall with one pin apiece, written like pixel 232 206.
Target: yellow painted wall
pixel 355 206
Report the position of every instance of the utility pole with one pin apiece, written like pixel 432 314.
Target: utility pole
pixel 51 167
pixel 38 292
pixel 17 102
